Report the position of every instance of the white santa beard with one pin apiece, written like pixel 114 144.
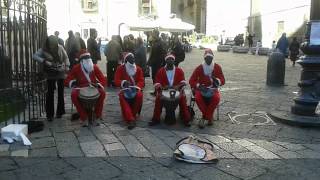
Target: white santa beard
pixel 87 65
pixel 131 69
pixel 207 69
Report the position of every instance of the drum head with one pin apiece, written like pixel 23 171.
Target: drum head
pixel 167 94
pixel 206 92
pixel 130 93
pixel 89 92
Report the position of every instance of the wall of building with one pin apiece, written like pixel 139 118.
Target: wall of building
pixel 270 18
pixel 227 18
pixel 191 11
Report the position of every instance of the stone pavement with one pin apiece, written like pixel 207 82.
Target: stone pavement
pixel 249 145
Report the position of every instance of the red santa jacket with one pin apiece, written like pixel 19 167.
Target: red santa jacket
pixel 161 77
pixel 121 75
pixel 198 76
pixel 78 75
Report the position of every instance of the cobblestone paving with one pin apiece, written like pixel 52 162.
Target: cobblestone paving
pixel 64 150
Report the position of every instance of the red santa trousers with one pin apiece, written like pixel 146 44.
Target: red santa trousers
pixel 207 109
pixel 129 110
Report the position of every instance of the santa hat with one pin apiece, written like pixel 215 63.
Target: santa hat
pixel 170 56
pixel 83 54
pixel 208 53
pixel 126 55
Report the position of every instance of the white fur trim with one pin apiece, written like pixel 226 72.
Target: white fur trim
pixel 208 54
pixel 128 54
pixel 100 85
pixel 184 82
pixel 122 82
pixel 197 85
pixel 170 56
pixel 84 54
pixel 70 83
pixel 156 84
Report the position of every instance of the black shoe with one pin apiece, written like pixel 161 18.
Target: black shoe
pixel 75 116
pixel 153 123
pixel 59 116
pixel 210 123
pixel 153 93
pixel 131 125
pixel 50 119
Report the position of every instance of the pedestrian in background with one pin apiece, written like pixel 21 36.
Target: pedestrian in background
pixel 72 49
pixel 178 51
pixel 283 44
pixel 55 65
pixel 60 41
pixel 93 47
pixel 141 56
pixel 113 54
pixel 80 40
pixel 294 50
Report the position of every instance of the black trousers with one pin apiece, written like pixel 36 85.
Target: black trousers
pixel 50 97
pixel 154 72
pixel 111 70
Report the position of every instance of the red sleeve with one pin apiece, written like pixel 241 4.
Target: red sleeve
pixel 101 78
pixel 194 78
pixel 219 74
pixel 117 76
pixel 139 78
pixel 159 78
pixel 71 76
pixel 180 76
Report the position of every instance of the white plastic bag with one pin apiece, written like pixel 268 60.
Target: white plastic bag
pixel 318 109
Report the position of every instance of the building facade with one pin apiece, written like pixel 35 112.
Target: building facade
pixel 270 18
pixel 107 16
pixel 191 11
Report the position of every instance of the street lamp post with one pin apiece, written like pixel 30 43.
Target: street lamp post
pixel 309 95
pixel 303 110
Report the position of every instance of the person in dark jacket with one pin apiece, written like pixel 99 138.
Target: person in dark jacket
pixel 80 40
pixel 157 54
pixel 141 56
pixel 60 41
pixel 55 62
pixel 72 49
pixel 178 51
pixel 294 50
pixel 113 54
pixel 93 47
pixel 283 44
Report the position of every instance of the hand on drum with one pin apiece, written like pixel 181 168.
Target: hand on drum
pixel 215 82
pixel 126 84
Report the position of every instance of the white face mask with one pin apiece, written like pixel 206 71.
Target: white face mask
pixel 87 65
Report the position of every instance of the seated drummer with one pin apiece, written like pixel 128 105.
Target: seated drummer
pixel 83 75
pixel 129 77
pixel 205 76
pixel 167 77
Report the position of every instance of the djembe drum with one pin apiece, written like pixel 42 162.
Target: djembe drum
pixel 170 100
pixel 88 97
pixel 207 93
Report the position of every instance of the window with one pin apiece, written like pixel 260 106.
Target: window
pixel 280 27
pixel 89 5
pixel 145 7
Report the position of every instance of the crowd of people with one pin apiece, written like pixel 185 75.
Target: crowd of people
pixel 73 64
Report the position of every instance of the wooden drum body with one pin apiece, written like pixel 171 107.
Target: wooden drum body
pixel 88 97
pixel 170 99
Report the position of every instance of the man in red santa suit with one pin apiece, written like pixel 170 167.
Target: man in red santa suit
pixel 83 75
pixel 170 77
pixel 207 77
pixel 129 77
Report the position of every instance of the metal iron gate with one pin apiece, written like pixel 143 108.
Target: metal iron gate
pixel 22 86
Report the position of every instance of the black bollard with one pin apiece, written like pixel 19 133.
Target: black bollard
pixel 276 69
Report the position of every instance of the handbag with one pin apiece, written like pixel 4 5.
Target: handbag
pixel 194 150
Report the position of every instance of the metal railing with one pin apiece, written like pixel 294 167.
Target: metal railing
pixel 22 85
